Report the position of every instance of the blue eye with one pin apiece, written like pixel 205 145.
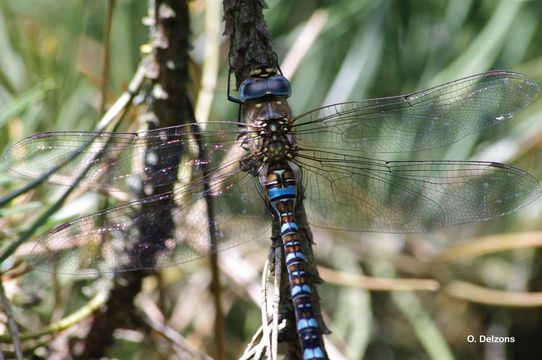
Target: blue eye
pixel 256 88
pixel 278 85
pixel 251 89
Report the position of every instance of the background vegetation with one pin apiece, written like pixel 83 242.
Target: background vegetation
pixel 50 68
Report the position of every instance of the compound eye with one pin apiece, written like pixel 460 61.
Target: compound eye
pixel 256 88
pixel 251 89
pixel 278 85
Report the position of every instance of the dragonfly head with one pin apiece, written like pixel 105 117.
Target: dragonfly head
pixel 265 106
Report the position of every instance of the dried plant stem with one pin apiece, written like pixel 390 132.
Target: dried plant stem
pixel 13 327
pixel 82 313
pixel 276 300
pixel 377 283
pixel 107 54
pixel 482 295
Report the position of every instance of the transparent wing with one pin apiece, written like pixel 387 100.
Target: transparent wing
pixel 135 236
pixel 361 194
pixel 423 120
pixel 115 161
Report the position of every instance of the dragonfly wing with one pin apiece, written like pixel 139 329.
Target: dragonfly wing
pixel 137 236
pixel 115 161
pixel 354 193
pixel 423 120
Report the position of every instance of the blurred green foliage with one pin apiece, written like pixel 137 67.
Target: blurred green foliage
pixel 50 68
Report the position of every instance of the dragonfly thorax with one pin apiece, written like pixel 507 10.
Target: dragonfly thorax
pixel 276 141
pixel 273 140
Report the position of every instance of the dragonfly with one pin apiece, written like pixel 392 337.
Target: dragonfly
pixel 263 166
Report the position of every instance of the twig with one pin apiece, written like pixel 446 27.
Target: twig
pixel 377 283
pixel 121 106
pixel 154 318
pixel 216 288
pixel 85 311
pixel 250 41
pixel 253 350
pixel 267 330
pixel 490 244
pixel 482 295
pixel 13 328
pixel 216 291
pixel 276 300
pixel 202 110
pixel 107 54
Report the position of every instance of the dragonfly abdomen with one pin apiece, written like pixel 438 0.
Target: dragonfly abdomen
pixel 281 186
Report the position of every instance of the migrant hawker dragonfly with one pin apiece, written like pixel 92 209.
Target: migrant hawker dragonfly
pixel 262 167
